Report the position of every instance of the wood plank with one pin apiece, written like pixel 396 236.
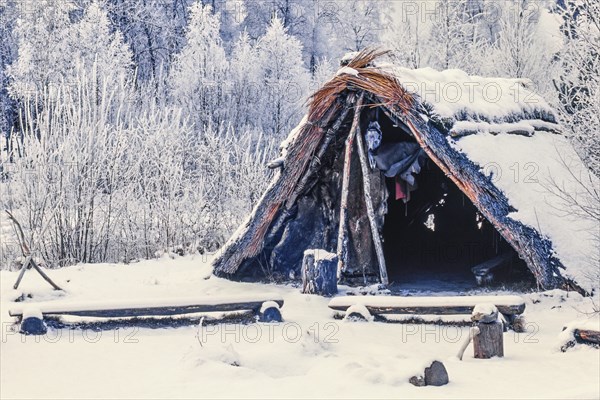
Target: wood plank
pixel 114 309
pixel 508 305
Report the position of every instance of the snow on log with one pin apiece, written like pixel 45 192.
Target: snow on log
pixel 155 307
pixel 509 305
pixel 319 272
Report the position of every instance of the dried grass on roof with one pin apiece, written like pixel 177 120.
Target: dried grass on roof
pixel 381 84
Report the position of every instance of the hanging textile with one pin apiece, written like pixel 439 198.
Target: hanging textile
pixel 399 160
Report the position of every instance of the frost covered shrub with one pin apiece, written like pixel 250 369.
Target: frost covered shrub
pixel 98 180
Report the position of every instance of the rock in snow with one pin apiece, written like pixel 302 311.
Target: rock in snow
pixel 434 375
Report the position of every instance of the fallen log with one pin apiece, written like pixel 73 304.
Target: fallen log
pixel 586 336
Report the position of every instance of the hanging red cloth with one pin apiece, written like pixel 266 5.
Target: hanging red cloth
pixel 401 188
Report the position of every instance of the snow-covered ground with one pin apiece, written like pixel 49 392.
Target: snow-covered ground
pixel 311 354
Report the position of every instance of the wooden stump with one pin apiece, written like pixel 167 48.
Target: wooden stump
pixel 489 342
pixel 319 272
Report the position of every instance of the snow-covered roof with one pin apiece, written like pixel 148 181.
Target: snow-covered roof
pixel 453 96
pixel 532 172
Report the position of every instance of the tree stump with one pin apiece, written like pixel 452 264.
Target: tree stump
pixel 319 272
pixel 489 341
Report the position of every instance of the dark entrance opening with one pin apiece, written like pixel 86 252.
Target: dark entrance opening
pixel 433 239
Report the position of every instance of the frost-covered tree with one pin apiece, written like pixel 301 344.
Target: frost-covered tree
pixel 316 33
pixel 360 23
pixel 258 16
pixel 324 70
pixel 98 53
pixel 578 83
pixel 519 50
pixel 284 77
pixel 454 35
pixel 43 61
pixel 404 39
pixel 153 29
pixel 199 71
pixel 8 53
pixel 246 84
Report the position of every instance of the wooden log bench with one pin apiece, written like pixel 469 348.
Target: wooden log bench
pixel 484 273
pixel 265 307
pixel 510 306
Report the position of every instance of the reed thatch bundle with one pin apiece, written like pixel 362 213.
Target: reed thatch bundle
pixel 377 82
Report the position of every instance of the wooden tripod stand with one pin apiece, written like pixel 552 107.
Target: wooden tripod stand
pixel 29 262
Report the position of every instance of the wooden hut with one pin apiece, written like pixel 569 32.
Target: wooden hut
pixel 391 166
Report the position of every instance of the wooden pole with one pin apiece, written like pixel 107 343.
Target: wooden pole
pixel 370 211
pixel 342 242
pixel 24 268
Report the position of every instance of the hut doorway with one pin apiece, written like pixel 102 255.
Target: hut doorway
pixel 433 234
